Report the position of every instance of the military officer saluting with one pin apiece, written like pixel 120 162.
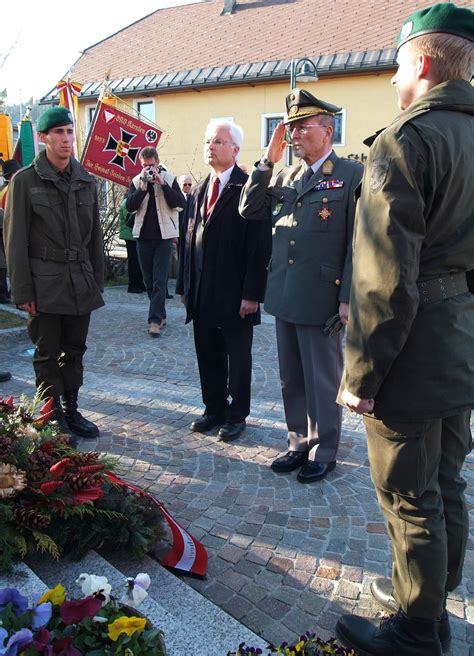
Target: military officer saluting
pixel 311 206
pixel 410 346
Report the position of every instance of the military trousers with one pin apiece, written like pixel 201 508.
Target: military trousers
pixel 60 341
pixel 416 470
pixel 310 374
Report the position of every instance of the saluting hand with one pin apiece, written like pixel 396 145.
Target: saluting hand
pixel 277 144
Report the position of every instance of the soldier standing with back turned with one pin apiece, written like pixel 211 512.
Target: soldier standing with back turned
pixel 410 347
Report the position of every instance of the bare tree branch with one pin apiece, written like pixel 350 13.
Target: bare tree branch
pixel 4 57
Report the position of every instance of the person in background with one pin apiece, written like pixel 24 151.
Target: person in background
pixel 155 197
pixel 135 276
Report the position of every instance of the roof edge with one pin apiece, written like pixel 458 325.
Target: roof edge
pixel 215 76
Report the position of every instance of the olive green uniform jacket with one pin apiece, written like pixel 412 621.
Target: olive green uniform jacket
pixel 53 239
pixel 310 269
pixel 415 222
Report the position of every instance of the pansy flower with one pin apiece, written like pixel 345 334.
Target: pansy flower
pixel 41 615
pixel 17 642
pixel 97 586
pixel 72 612
pixel 128 625
pixel 56 595
pixel 11 595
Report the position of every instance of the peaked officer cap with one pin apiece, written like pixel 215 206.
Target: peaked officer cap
pixel 301 104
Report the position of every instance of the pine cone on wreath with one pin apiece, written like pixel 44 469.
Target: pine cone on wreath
pixel 79 481
pixel 38 464
pixel 31 517
pixel 85 458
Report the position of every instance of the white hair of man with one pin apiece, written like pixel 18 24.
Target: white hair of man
pixel 235 131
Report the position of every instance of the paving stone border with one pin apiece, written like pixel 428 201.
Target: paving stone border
pixel 283 557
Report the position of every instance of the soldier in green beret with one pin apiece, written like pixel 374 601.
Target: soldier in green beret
pixel 53 243
pixel 410 356
pixel 311 207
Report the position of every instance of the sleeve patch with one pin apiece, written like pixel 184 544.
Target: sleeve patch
pixel 378 173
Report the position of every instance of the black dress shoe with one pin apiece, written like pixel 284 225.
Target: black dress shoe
pixel 290 461
pixel 315 471
pixel 382 589
pixel 396 636
pixel 230 431
pixel 168 296
pixel 206 422
pixel 135 290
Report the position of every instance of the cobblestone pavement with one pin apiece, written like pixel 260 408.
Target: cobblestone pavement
pixel 283 557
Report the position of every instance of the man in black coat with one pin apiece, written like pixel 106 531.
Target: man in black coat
pixel 221 278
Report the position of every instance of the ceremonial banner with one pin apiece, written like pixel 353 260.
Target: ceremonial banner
pixel 114 144
pixel 186 554
pixel 6 137
pixel 26 147
pixel 69 93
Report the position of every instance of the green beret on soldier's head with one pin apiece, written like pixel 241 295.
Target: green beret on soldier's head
pixel 301 104
pixel 442 17
pixel 54 117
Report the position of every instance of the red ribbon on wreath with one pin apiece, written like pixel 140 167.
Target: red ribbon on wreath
pixel 186 554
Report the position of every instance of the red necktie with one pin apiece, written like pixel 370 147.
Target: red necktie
pixel 212 199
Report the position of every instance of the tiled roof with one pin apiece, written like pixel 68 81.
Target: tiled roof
pixel 192 38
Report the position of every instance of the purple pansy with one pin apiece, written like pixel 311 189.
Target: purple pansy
pixel 41 615
pixel 11 595
pixel 18 641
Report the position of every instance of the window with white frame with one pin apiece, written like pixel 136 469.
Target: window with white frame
pixel 146 108
pixel 339 138
pixel 90 112
pixel 269 123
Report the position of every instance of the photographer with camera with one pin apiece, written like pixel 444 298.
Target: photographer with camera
pixel 156 198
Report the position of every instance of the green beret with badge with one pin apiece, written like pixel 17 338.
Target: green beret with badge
pixel 443 17
pixel 54 117
pixel 301 104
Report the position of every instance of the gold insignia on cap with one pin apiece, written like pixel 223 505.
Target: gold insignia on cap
pixel 292 96
pixel 293 111
pixel 328 167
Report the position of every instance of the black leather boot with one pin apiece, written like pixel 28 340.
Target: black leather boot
pixel 79 424
pixel 60 419
pixel 382 592
pixel 399 635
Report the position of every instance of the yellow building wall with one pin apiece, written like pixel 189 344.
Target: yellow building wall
pixel 370 103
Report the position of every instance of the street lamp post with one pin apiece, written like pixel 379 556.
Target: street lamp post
pixel 304 70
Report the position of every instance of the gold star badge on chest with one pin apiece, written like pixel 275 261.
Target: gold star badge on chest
pixel 325 213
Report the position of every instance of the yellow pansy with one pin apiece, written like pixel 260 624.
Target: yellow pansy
pixel 56 596
pixel 128 625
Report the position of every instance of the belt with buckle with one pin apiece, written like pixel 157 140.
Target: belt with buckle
pixel 58 255
pixel 442 287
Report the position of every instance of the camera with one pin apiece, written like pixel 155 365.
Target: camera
pixel 148 176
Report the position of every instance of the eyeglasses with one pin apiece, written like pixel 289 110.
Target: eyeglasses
pixel 304 127
pixel 216 142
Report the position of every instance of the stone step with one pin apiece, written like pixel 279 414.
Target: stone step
pixel 192 625
pixel 24 580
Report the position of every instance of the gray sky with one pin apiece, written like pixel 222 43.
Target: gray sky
pixel 45 38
